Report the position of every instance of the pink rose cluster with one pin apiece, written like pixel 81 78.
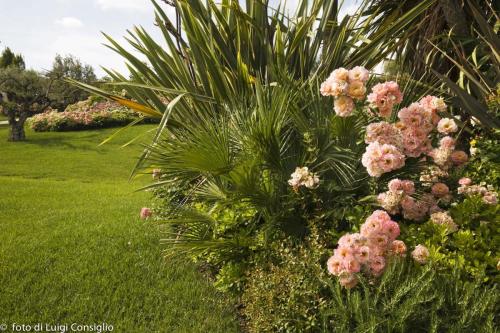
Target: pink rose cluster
pixel 415 123
pixel 487 192
pixel 366 251
pixel 398 190
pixel 410 135
pixel 381 158
pixel 384 96
pixel 303 177
pixel 384 133
pixel 398 199
pixel 445 156
pixel 345 86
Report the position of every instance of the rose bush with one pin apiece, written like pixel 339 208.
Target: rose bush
pixel 88 114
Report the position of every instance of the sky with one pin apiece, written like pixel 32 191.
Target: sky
pixel 40 29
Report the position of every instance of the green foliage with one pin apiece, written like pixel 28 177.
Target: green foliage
pixel 23 91
pixel 232 169
pixel 287 290
pixel 474 248
pixel 62 92
pixel 485 163
pixel 457 42
pixel 409 298
pixel 9 59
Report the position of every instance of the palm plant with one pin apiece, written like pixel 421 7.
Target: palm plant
pixel 455 41
pixel 244 110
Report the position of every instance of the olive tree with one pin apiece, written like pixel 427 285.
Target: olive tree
pixel 22 94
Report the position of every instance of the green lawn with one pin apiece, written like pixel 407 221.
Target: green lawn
pixel 73 250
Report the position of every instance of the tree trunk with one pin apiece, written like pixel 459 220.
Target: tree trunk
pixel 17 132
pixel 17 126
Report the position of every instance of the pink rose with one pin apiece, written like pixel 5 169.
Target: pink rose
pixel 145 213
pixel 465 181
pixel 398 247
pixel 420 254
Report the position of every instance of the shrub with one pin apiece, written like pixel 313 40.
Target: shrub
pixel 88 114
pixel 292 293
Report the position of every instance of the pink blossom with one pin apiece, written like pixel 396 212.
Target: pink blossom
pixel 384 96
pixel 340 74
pixel 356 90
pixel 490 198
pixel 384 133
pixel 414 116
pixel 358 73
pixel 334 265
pixel 447 126
pixel 408 187
pixel 465 181
pixel 398 247
pixel 351 265
pixel 459 157
pixel 343 106
pixel 420 254
pixel 391 229
pixel 377 265
pixel 145 213
pixel 343 252
pixel 363 254
pixel 447 142
pixel 440 190
pixel 414 210
pixel 346 241
pixel 382 158
pixel 442 218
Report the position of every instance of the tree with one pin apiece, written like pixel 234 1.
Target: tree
pixel 63 93
pixel 9 59
pixel 22 94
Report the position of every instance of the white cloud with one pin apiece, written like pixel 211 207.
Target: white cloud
pixel 69 22
pixel 124 4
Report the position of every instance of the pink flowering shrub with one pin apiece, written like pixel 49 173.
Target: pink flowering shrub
pixel 418 133
pixel 83 115
pixel 367 251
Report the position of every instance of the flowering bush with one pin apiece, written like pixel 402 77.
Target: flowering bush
pixel 288 167
pixel 367 250
pixel 82 115
pixel 417 127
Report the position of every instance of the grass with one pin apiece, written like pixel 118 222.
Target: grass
pixel 73 249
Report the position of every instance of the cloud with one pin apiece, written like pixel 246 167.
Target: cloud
pixel 69 22
pixel 124 4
